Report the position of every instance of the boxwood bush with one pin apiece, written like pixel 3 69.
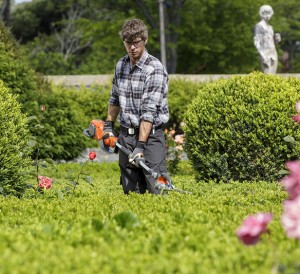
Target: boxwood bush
pixel 14 150
pixel 235 128
pixel 68 112
pixel 181 93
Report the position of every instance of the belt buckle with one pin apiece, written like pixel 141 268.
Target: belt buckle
pixel 131 131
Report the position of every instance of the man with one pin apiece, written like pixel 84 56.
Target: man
pixel 139 98
pixel 264 41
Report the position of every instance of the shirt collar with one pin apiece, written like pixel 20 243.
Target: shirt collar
pixel 141 61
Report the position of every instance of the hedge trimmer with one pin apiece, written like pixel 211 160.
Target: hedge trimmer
pixel 109 143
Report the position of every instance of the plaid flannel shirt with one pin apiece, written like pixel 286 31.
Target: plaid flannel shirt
pixel 140 91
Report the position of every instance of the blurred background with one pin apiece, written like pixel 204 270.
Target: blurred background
pixel 73 37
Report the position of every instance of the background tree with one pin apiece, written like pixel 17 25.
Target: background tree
pixel 202 36
pixel 287 21
pixel 5 10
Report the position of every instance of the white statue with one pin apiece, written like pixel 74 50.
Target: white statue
pixel 264 41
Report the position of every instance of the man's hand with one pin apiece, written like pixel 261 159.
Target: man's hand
pixel 108 136
pixel 108 127
pixel 138 154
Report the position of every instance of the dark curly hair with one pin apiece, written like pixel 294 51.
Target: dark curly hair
pixel 132 29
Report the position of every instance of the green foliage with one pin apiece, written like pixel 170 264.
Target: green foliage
pixel 103 229
pixel 181 93
pixel 93 102
pixel 57 131
pixel 14 151
pixel 15 71
pixel 201 37
pixel 286 20
pixel 68 112
pixel 235 128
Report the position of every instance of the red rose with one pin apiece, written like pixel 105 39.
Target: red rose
pixel 44 182
pixel 92 155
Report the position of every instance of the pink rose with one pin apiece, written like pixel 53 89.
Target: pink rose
pixel 252 227
pixel 92 155
pixel 291 182
pixel 291 218
pixel 296 118
pixel 44 182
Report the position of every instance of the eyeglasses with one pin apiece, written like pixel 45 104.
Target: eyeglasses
pixel 136 43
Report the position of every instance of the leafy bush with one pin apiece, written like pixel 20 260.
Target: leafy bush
pixel 92 104
pixel 181 94
pixel 14 150
pixel 58 130
pixel 92 100
pixel 16 73
pixel 235 128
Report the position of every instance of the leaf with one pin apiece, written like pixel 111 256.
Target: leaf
pixel 73 183
pixel 32 143
pixel 47 146
pixel 127 219
pixel 31 118
pixel 43 164
pixel 49 161
pixel 289 139
pixel 283 172
pixel 1 189
pixel 67 189
pixel 89 180
pixel 38 126
pixel 60 195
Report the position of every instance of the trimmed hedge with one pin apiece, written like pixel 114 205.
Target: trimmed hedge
pixel 68 112
pixel 181 93
pixel 235 128
pixel 14 150
pixel 100 230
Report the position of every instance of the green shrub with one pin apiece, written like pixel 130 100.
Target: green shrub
pixel 14 149
pixel 93 103
pixel 181 94
pixel 58 130
pixel 16 73
pixel 92 100
pixel 235 128
pixel 68 112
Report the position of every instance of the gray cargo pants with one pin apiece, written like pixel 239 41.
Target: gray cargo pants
pixel 135 179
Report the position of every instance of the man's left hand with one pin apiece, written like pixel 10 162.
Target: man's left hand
pixel 137 155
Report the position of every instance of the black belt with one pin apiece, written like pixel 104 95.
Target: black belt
pixel 135 130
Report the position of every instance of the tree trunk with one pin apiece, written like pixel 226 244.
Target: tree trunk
pixel 5 11
pixel 172 21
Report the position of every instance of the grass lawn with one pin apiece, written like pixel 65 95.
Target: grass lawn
pixel 100 230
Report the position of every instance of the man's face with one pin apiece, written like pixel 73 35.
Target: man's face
pixel 135 48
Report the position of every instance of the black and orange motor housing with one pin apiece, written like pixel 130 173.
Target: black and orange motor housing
pixel 95 129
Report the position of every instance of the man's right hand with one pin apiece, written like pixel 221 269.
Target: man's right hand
pixel 108 136
pixel 108 127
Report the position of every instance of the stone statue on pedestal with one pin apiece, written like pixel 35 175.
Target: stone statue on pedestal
pixel 265 39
